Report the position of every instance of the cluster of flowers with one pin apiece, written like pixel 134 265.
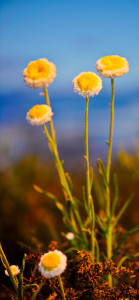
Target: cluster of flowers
pixel 51 264
pixel 41 73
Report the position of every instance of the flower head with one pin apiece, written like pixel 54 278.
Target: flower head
pixel 15 270
pixel 112 66
pixel 52 263
pixel 39 114
pixel 39 73
pixel 87 84
pixel 70 235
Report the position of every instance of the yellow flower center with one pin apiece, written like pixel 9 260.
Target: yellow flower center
pixel 112 63
pixel 37 111
pixel 38 69
pixel 87 81
pixel 50 261
pixel 13 269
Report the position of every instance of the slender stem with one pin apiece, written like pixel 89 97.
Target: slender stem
pixel 65 185
pixel 61 287
pixel 108 208
pixel 87 152
pixel 52 132
pixel 110 148
pixel 6 264
pixel 38 290
pixel 93 233
pixel 89 197
pixel 50 122
pixel 63 179
pixel 20 291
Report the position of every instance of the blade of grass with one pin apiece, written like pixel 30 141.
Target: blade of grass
pixel 7 266
pixel 91 178
pixel 115 196
pixel 38 290
pixel 97 250
pixel 20 287
pixel 125 258
pixel 124 238
pixel 122 210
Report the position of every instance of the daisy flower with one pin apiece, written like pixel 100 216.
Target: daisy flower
pixel 70 236
pixel 87 84
pixel 112 66
pixel 15 270
pixel 52 264
pixel 39 73
pixel 39 114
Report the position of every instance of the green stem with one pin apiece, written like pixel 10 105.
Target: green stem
pixel 50 122
pixel 89 197
pixel 52 132
pixel 93 233
pixel 38 290
pixel 108 208
pixel 61 287
pixel 20 291
pixel 110 148
pixel 87 152
pixel 109 250
pixel 6 264
pixel 62 173
pixel 63 179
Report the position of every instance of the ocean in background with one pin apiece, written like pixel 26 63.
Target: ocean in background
pixel 19 138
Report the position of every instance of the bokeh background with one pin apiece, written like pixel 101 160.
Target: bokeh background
pixel 73 35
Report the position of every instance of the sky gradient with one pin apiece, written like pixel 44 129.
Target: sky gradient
pixel 73 35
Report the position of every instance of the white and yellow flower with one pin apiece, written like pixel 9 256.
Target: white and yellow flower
pixel 52 264
pixel 87 84
pixel 39 114
pixel 70 235
pixel 39 73
pixel 14 269
pixel 112 66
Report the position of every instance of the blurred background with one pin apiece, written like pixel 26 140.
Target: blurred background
pixel 73 35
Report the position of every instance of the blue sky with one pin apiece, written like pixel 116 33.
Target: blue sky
pixel 72 34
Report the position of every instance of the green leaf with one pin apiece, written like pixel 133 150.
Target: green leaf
pixel 107 142
pixel 38 290
pixel 91 178
pixel 30 286
pixel 86 222
pixel 102 173
pixel 84 198
pixel 20 287
pixel 125 258
pixel 69 180
pixel 7 266
pixel 123 209
pixel 71 229
pixel 115 196
pixel 41 191
pixel 22 267
pixel 124 238
pixel 70 250
pixel 99 223
pixel 92 214
pixel 60 206
pixel 77 201
pixel 87 230
pixel 97 250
